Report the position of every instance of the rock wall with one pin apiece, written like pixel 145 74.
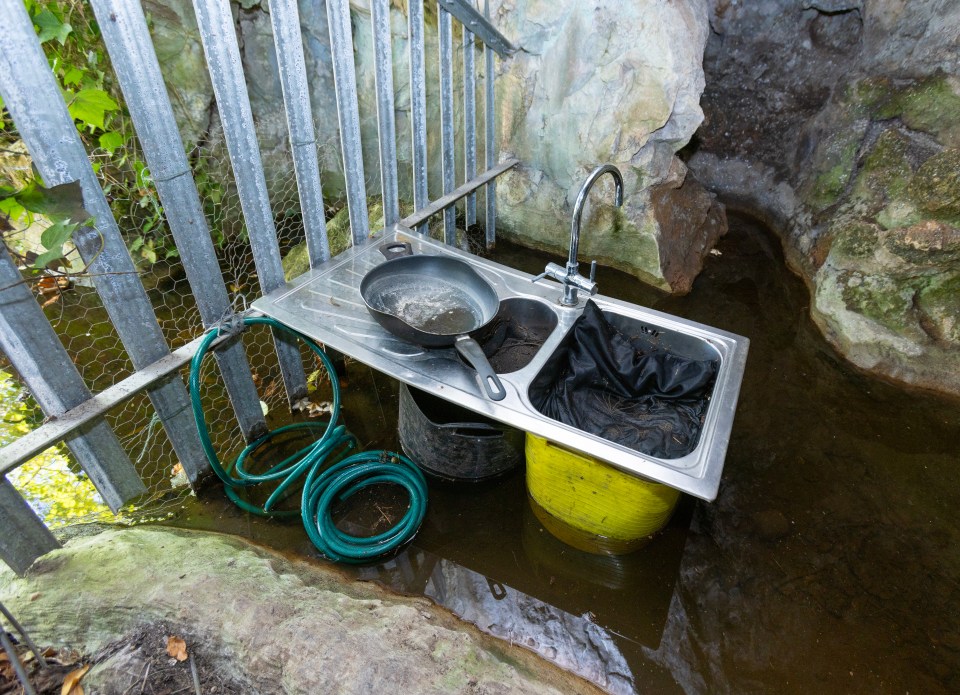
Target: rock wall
pixel 840 123
pixel 591 82
pixel 597 82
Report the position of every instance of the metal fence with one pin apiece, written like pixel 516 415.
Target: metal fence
pixel 153 358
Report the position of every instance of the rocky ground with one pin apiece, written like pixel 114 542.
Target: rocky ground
pixel 251 621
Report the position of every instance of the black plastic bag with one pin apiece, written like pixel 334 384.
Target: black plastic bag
pixel 628 389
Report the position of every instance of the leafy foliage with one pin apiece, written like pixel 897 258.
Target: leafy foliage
pixel 74 47
pixel 47 482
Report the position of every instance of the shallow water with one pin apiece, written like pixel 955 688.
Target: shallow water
pixel 830 561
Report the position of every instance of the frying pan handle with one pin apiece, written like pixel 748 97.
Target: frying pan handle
pixel 396 249
pixel 473 353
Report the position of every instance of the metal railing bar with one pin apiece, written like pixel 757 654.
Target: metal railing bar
pixel 418 104
pixel 469 123
pixel 24 537
pixel 479 25
pixel 423 214
pixel 34 350
pixel 490 155
pixel 124 30
pixel 386 119
pixel 219 39
pixel 60 427
pixel 447 145
pixel 294 83
pixel 34 100
pixel 348 115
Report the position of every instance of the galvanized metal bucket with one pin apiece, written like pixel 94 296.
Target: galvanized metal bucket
pixel 453 443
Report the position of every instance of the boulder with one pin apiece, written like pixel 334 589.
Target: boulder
pixel 267 623
pixel 605 82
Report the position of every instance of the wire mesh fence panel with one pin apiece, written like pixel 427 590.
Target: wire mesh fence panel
pixel 75 311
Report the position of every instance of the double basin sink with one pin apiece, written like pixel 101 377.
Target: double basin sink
pixel 325 304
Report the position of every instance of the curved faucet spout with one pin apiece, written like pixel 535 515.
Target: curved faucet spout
pixel 569 276
pixel 578 208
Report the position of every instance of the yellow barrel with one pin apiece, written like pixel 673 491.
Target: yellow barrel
pixel 590 504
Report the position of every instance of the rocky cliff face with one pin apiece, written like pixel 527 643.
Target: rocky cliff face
pixel 840 122
pixel 596 82
pixel 591 83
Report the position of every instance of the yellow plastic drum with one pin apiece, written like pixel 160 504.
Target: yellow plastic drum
pixel 590 504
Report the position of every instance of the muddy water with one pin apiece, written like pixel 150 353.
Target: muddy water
pixel 830 561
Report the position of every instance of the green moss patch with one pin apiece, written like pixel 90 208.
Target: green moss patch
pixel 936 186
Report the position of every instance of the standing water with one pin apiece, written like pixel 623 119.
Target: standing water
pixel 830 561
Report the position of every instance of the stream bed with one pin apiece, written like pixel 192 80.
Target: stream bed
pixel 830 561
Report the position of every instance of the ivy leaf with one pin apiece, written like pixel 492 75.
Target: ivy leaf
pixel 111 140
pixel 90 106
pixel 58 203
pixel 51 27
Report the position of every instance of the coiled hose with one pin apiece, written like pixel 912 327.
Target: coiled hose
pixel 322 487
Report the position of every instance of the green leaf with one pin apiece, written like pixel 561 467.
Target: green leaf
pixel 46 258
pixel 111 140
pixel 73 76
pixel 57 234
pixel 90 106
pixel 150 254
pixel 58 203
pixel 51 27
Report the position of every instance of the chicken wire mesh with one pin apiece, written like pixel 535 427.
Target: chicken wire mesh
pixel 76 313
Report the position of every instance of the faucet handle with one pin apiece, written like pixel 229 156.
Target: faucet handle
pixel 593 271
pixel 552 271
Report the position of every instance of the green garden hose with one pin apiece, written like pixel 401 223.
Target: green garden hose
pixel 323 485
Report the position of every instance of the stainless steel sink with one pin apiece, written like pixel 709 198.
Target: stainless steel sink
pixel 325 304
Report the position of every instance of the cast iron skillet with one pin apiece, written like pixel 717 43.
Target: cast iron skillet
pixel 433 301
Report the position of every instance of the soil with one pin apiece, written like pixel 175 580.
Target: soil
pixel 137 663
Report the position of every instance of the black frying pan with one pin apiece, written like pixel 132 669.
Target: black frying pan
pixel 433 301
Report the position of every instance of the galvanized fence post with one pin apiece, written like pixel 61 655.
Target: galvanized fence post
pixel 219 39
pixel 386 119
pixel 125 34
pixel 489 126
pixel 490 129
pixel 348 115
pixel 34 100
pixel 448 154
pixel 469 123
pixel 285 19
pixel 34 350
pixel 24 537
pixel 418 106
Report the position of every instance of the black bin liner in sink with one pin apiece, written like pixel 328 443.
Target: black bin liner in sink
pixel 626 389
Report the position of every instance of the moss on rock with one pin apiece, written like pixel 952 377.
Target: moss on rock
pixel 936 186
pixel 886 172
pixel 939 307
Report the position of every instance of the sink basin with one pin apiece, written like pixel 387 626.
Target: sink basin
pixel 516 334
pixel 325 304
pixel 646 419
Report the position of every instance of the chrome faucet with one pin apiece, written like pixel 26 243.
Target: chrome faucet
pixel 569 276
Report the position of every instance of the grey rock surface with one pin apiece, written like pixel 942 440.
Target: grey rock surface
pixel 591 83
pixel 281 626
pixel 839 123
pixel 606 82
